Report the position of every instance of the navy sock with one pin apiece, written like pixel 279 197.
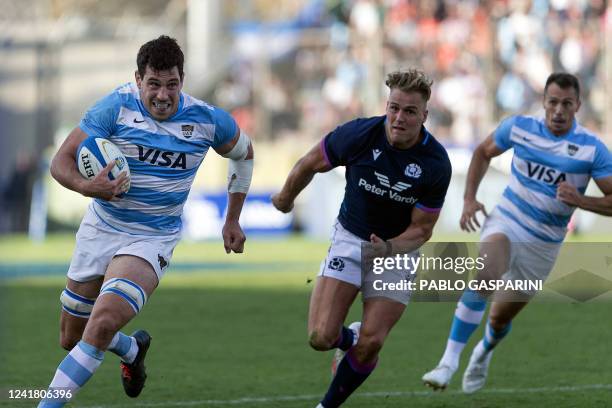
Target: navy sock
pixel 492 337
pixel 350 375
pixel 345 340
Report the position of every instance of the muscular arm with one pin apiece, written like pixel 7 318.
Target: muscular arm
pixel 418 232
pixel 64 170
pixel 300 176
pixel 600 205
pixel 63 165
pixel 479 165
pixel 481 159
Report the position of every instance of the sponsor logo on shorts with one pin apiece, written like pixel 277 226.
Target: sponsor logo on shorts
pixel 337 264
pixel 162 261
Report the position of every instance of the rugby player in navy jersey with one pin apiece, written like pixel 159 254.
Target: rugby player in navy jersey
pixel 554 159
pixel 397 175
pixel 124 244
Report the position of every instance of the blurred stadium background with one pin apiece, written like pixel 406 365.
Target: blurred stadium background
pixel 289 71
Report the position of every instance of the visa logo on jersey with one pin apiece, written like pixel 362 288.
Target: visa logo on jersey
pixel 161 158
pixel 545 174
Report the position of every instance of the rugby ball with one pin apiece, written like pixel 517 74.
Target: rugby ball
pixel 95 153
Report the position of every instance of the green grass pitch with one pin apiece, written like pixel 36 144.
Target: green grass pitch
pixel 231 331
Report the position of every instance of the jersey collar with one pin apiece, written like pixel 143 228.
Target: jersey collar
pixel 551 135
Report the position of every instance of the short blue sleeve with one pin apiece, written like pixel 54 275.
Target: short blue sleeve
pixel 225 127
pixel 101 119
pixel 602 165
pixel 502 133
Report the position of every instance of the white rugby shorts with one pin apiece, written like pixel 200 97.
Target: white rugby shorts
pixel 530 258
pixel 343 262
pixel 97 244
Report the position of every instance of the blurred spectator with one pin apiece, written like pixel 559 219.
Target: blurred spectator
pixel 489 59
pixel 512 92
pixel 17 193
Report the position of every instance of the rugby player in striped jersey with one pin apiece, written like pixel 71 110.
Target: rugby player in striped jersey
pixel 126 239
pixel 554 159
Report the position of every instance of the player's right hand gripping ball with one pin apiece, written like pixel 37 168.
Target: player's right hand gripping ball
pixel 95 153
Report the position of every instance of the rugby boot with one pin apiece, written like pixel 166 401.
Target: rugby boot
pixel 475 374
pixel 133 375
pixel 439 377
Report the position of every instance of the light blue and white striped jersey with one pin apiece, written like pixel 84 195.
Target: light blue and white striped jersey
pixel 541 161
pixel 163 156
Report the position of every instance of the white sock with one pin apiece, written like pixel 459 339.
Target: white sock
pixel 480 352
pixel 452 353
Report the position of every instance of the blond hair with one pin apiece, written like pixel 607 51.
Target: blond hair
pixel 411 80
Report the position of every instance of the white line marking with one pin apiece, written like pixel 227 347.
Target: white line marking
pixel 315 397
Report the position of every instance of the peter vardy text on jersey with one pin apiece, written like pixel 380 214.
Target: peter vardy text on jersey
pixel 383 192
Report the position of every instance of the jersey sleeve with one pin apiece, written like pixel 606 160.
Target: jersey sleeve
pixel 434 199
pixel 501 136
pixel 101 119
pixel 602 165
pixel 225 127
pixel 341 145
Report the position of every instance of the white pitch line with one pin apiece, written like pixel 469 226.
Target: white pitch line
pixel 316 397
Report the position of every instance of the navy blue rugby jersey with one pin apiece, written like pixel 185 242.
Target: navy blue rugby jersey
pixel 383 183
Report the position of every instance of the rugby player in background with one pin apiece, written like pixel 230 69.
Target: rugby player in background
pixel 554 159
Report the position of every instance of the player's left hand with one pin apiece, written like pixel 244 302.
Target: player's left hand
pixel 379 245
pixel 233 237
pixel 568 194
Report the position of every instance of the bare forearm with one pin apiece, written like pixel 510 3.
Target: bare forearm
pixel 64 170
pixel 598 205
pixel 478 168
pixel 233 236
pixel 234 206
pixel 299 177
pixel 410 240
pixel 302 173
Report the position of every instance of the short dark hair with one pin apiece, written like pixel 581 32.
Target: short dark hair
pixel 162 53
pixel 564 80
